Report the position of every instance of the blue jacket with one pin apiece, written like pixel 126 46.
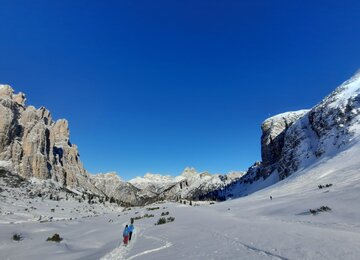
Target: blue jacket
pixel 126 231
pixel 131 228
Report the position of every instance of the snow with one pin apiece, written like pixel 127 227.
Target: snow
pixel 5 164
pixel 289 114
pixel 252 227
pixel 151 179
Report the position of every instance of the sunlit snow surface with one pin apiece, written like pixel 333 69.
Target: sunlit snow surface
pixel 252 227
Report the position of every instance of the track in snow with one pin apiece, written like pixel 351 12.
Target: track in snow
pixel 167 245
pixel 235 241
pixel 120 252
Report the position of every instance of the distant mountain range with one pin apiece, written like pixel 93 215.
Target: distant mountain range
pixel 33 145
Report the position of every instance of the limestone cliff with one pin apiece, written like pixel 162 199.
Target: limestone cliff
pixel 36 145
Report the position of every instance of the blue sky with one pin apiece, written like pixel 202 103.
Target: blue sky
pixel 155 86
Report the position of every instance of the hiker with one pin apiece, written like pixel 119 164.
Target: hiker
pixel 126 235
pixel 131 230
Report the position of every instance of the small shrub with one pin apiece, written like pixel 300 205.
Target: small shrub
pixel 313 211
pixel 155 208
pixel 161 221
pixel 52 210
pixel 325 186
pixel 17 237
pixel 170 219
pixel 145 216
pixel 165 213
pixel 324 208
pixel 321 209
pixel 55 238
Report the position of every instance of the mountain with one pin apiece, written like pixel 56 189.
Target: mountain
pixel 33 145
pixel 189 184
pixel 296 140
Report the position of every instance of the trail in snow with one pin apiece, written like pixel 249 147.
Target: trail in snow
pixel 235 241
pixel 119 252
pixel 167 245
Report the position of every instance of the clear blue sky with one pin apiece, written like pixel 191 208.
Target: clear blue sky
pixel 154 86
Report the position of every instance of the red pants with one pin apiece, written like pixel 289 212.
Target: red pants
pixel 126 239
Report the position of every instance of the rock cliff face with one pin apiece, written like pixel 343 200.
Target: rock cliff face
pixel 274 130
pixel 326 129
pixel 296 140
pixel 32 144
pixel 114 187
pixel 36 146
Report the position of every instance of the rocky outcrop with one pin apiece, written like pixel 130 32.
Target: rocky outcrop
pixel 296 140
pixel 36 146
pixel 325 130
pixel 188 185
pixel 32 144
pixel 117 189
pixel 273 135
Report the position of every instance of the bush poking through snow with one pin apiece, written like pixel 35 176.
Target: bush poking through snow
pixel 325 186
pixel 321 209
pixel 155 208
pixel 145 216
pixel 17 237
pixel 55 238
pixel 165 213
pixel 161 221
pixel 164 220
pixel 170 219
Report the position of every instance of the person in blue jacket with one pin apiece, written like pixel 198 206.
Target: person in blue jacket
pixel 126 235
pixel 131 230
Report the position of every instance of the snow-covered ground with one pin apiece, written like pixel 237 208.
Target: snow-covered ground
pixel 252 227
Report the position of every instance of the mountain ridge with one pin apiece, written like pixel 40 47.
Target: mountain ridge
pixel 32 144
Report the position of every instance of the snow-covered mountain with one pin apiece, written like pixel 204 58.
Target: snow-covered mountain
pixel 32 145
pixel 188 185
pixel 295 140
pixel 151 179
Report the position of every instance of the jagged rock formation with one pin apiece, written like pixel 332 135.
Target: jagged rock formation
pixel 32 144
pixel 189 185
pixel 274 130
pixel 295 140
pixel 326 129
pixel 114 187
pixel 36 146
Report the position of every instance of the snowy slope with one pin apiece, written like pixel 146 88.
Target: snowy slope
pixel 318 147
pixel 252 227
pixel 296 140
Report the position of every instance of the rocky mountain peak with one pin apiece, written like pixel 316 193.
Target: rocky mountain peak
pixel 189 172
pixel 35 145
